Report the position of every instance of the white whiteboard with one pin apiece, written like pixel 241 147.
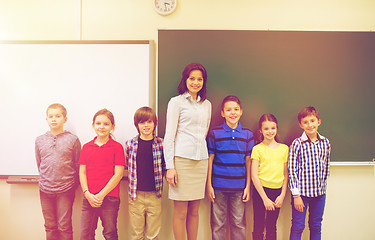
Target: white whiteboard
pixel 84 76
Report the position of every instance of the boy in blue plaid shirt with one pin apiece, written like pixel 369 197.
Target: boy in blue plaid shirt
pixel 145 161
pixel 309 158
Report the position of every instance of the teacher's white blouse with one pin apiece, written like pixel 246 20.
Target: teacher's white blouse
pixel 186 129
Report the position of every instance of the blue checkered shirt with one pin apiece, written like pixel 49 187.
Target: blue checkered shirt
pixel 309 166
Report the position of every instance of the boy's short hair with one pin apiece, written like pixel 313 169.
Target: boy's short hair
pixel 144 114
pixel 230 98
pixel 57 106
pixel 307 111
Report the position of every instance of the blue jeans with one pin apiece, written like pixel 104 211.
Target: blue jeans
pixel 316 209
pixel 57 213
pixel 108 213
pixel 228 203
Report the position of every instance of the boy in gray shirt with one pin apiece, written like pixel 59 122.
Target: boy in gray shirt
pixel 57 153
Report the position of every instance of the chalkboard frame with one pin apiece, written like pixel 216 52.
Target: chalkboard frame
pixel 243 57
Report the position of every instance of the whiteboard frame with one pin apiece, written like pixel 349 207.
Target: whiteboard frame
pixel 151 79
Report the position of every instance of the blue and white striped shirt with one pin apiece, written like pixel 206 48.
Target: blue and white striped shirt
pixel 309 166
pixel 230 147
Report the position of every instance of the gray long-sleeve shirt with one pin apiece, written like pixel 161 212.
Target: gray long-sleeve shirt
pixel 57 158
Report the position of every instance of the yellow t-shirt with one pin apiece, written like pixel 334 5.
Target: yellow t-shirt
pixel 271 164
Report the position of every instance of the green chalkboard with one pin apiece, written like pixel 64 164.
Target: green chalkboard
pixel 280 72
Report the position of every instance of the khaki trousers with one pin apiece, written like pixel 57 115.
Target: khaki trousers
pixel 145 216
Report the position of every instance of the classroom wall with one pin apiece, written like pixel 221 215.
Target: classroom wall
pixel 351 191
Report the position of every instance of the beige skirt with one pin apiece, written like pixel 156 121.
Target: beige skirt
pixel 191 179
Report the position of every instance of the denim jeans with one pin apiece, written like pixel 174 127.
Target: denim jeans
pixel 228 203
pixel 265 218
pixel 57 213
pixel 108 213
pixel 316 209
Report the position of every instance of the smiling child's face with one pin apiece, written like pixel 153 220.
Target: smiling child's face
pixel 232 113
pixel 146 129
pixel 310 125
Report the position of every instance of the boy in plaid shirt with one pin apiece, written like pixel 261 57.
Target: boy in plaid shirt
pixel 145 161
pixel 309 159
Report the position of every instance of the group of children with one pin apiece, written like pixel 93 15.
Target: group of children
pixel 100 164
pixel 233 158
pixel 236 156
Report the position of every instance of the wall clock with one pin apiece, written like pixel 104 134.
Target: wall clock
pixel 165 7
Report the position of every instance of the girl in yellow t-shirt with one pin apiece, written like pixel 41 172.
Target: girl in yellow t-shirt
pixel 269 173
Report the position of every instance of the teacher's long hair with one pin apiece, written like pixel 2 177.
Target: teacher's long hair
pixel 182 88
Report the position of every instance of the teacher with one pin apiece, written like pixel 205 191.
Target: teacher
pixel 185 149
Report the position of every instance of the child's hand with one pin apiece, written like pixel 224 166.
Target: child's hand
pixel 211 193
pixel 172 177
pixel 279 201
pixel 246 194
pixel 93 200
pixel 298 204
pixel 100 197
pixel 269 205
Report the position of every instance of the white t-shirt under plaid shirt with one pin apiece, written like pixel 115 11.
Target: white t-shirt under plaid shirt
pixel 308 166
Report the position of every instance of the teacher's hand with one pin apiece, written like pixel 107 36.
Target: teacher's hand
pixel 172 177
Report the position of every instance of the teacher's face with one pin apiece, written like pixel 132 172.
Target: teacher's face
pixel 195 81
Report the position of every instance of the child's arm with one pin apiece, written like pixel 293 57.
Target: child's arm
pixel 164 170
pixel 210 189
pixel 91 198
pixel 173 113
pixel 293 166
pixel 268 204
pixel 37 155
pixel 112 183
pixel 76 153
pixel 246 192
pixel 280 199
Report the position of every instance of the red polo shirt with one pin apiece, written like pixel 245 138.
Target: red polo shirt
pixel 100 164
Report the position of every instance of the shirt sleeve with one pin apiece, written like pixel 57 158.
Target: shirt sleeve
pixel 120 155
pixel 209 116
pixel 293 166
pixel 76 151
pixel 328 161
pixel 37 154
pixel 255 154
pixel 82 156
pixel 162 155
pixel 250 145
pixel 173 114
pixel 126 152
pixel 211 142
pixel 286 155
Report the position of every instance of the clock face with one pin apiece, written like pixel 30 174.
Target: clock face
pixel 165 7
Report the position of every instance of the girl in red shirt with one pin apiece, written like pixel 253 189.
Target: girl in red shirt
pixel 102 163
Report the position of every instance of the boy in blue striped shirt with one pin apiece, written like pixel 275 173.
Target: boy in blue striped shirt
pixel 308 166
pixel 228 181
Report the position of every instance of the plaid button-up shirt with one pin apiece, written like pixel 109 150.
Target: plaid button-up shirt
pixel 131 147
pixel 309 166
